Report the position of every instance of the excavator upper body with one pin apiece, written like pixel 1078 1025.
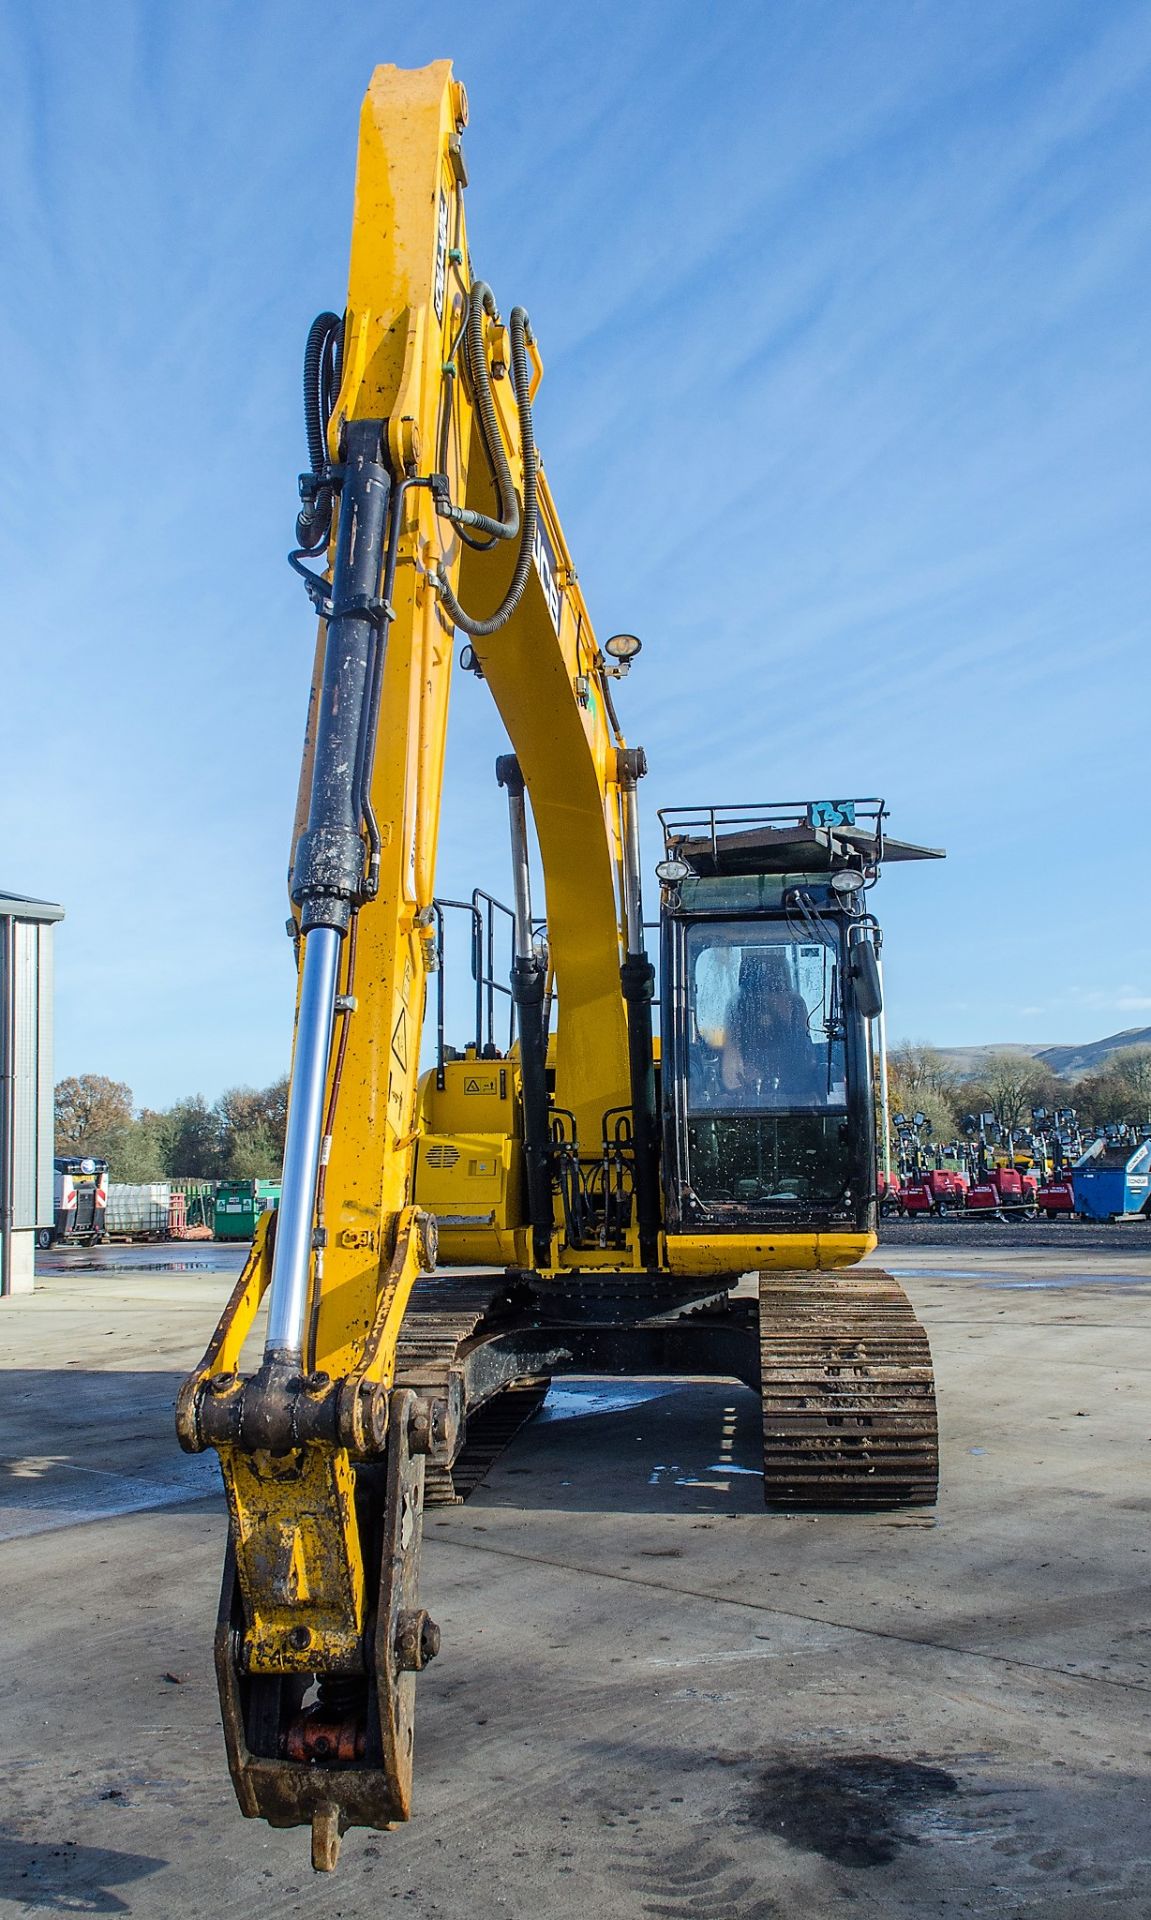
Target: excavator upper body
pixel 572 1192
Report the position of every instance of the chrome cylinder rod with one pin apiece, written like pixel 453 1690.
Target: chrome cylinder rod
pixel 632 884
pixel 511 779
pixel 521 875
pixel 292 1258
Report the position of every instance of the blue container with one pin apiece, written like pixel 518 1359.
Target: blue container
pixel 1109 1180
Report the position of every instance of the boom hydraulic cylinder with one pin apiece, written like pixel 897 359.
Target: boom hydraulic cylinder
pixel 328 871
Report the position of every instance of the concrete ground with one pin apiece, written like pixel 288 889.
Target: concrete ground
pixel 653 1698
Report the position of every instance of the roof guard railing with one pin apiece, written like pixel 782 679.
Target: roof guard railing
pixel 713 823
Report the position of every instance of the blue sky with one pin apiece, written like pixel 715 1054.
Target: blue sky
pixel 844 311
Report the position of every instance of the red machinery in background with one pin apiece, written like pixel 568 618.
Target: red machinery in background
pixel 1003 1190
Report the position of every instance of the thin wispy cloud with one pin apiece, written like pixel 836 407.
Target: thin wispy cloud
pixel 847 412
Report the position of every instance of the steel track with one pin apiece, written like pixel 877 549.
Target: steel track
pixel 445 1314
pixel 847 1388
pixel 848 1394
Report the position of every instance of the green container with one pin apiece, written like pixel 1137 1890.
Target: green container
pixel 239 1204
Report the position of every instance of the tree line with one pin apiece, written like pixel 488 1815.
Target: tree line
pixel 1010 1085
pixel 239 1137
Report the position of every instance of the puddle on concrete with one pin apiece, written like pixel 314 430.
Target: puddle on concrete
pixel 936 1273
pixel 572 1402
pixel 857 1810
pixel 682 1476
pixel 1000 1279
pixel 679 1476
pixel 1069 1280
pixel 148 1266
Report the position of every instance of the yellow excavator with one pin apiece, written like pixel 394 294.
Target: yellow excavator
pixel 584 1197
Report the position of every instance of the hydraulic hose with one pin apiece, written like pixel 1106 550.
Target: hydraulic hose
pixel 322 355
pixel 481 306
pixel 510 521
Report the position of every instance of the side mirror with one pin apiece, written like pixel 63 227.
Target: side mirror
pixel 865 976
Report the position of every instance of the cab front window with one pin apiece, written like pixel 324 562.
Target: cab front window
pixel 765 1031
pixel 766 1130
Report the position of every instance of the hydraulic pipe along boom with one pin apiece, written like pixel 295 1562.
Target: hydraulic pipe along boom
pixel 528 995
pixel 637 977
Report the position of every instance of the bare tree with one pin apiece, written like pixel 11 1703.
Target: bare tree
pixel 920 1081
pixel 923 1072
pixel 1010 1084
pixel 1120 1090
pixel 1132 1069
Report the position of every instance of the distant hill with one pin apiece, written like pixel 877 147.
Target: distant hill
pixel 967 1062
pixel 1095 1054
pixel 1065 1060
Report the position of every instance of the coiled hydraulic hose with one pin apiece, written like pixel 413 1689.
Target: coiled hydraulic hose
pixel 482 305
pixel 322 357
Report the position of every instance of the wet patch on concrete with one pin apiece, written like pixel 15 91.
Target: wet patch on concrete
pixel 936 1273
pixel 148 1257
pixel 1059 1281
pixel 570 1401
pixel 210 1264
pixel 857 1810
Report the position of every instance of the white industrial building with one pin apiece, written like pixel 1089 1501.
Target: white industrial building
pixel 26 1084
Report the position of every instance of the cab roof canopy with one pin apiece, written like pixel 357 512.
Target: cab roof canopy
pixel 786 837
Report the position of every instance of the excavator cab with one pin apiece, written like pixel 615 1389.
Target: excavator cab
pixel 770 980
